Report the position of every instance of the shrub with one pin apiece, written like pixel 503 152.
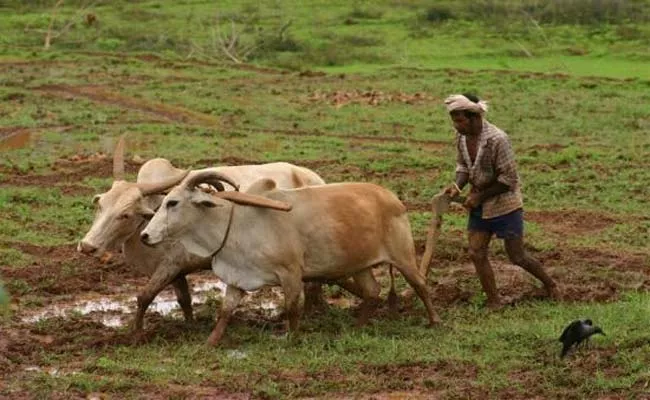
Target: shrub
pixel 438 13
pixel 360 41
pixel 365 13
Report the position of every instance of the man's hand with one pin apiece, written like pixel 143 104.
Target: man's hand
pixel 452 190
pixel 472 201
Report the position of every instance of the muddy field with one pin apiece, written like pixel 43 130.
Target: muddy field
pixel 69 313
pixel 91 301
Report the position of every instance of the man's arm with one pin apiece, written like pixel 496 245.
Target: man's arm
pixel 461 179
pixel 493 190
pixel 462 171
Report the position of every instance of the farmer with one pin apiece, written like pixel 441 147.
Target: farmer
pixel 486 161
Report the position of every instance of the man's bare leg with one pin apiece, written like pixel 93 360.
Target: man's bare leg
pixel 519 256
pixel 479 243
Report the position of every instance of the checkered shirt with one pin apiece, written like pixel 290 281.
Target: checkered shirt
pixel 495 161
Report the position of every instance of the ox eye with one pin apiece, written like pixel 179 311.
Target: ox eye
pixel 124 216
pixel 208 204
pixel 172 203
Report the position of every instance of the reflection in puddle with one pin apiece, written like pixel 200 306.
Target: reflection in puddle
pixel 83 308
pixel 237 355
pixel 116 311
pixel 271 308
pixel 50 370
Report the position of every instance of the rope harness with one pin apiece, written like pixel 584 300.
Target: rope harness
pixel 225 237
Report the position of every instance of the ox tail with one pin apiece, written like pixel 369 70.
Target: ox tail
pixel 432 236
pixel 439 206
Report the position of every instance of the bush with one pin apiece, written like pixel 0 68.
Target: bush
pixel 109 44
pixel 278 43
pixel 438 13
pixel 360 41
pixel 365 13
pixel 585 12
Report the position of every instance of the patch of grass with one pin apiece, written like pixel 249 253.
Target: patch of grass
pixel 34 216
pixel 365 13
pixel 4 300
pixel 14 258
pixel 360 41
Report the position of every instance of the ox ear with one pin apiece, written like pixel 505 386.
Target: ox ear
pixel 96 198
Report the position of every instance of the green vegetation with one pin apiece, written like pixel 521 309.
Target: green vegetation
pixel 585 37
pixel 352 90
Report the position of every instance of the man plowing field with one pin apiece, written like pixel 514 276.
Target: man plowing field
pixel 486 161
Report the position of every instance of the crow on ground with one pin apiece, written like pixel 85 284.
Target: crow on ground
pixel 577 332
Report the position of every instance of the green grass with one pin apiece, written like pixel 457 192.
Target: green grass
pixel 35 216
pixel 604 38
pixel 570 88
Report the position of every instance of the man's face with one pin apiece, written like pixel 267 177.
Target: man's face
pixel 463 124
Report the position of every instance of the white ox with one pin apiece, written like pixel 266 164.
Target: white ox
pixel 123 211
pixel 331 232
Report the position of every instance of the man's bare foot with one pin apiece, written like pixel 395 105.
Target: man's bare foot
pixel 494 304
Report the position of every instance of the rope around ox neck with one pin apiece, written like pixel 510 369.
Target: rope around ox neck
pixel 225 237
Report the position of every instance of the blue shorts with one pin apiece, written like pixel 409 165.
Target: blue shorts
pixel 506 226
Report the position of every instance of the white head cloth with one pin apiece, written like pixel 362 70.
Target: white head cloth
pixel 458 102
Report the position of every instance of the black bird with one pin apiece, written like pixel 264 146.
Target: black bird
pixel 577 332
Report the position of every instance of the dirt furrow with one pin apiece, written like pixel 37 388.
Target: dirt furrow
pixel 102 95
pixel 183 115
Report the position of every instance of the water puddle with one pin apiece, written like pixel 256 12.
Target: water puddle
pixel 52 371
pixel 116 311
pixel 237 354
pixel 15 139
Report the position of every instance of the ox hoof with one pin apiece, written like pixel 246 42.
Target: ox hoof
pixel 435 324
pixel 136 327
pixel 393 303
pixel 138 337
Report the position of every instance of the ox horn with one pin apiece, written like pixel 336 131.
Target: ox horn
pixel 118 159
pixel 246 199
pixel 212 178
pixel 158 187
